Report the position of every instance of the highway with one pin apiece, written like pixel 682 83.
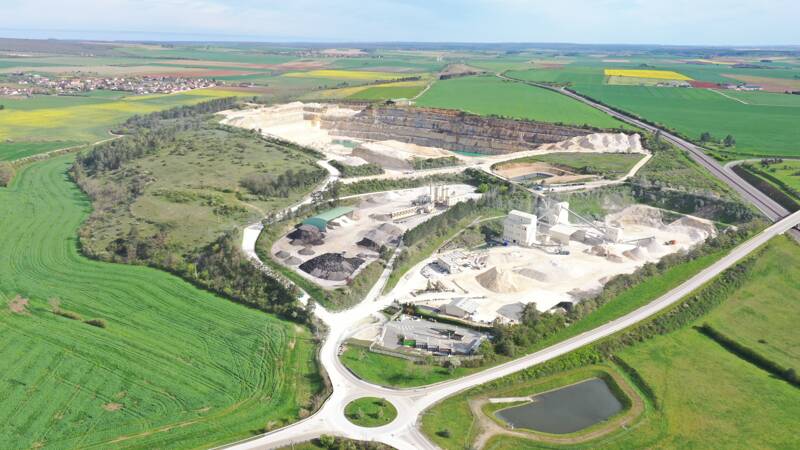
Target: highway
pixel 766 205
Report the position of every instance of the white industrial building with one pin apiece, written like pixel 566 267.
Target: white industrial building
pixel 520 228
pixel 460 307
pixel 561 233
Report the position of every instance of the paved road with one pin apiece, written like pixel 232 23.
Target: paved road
pixel 403 433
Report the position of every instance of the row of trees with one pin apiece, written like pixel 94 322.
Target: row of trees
pixel 357 171
pixel 728 141
pixel 268 185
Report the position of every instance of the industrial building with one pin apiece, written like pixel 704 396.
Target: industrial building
pixel 520 228
pixel 461 308
pixel 434 337
pixel 322 220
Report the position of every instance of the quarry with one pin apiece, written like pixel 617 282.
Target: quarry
pixel 554 259
pixel 393 136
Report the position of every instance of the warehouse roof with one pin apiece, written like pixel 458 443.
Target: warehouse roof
pixel 321 220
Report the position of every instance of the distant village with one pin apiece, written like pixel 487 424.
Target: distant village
pixel 26 84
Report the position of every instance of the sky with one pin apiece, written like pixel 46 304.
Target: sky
pixel 673 22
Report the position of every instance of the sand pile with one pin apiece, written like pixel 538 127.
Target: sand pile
pixel 599 143
pixel 282 254
pixel 655 247
pixel 636 254
pixel 706 227
pixel 293 261
pixel 613 257
pixel 501 281
pixel 306 251
pixel 637 215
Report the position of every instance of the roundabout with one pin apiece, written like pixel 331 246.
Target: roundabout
pixel 370 412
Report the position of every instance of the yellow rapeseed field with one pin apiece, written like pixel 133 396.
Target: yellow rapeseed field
pixel 348 74
pixel 660 74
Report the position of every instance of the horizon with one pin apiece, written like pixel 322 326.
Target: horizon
pixel 611 22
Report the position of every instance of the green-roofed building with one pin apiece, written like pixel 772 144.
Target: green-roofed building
pixel 321 220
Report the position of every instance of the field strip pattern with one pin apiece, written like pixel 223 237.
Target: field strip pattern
pixel 171 353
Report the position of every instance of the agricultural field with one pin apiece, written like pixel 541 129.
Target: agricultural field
pixel 659 74
pixel 761 121
pixel 356 75
pixel 758 130
pixel 383 91
pixel 489 95
pixel 78 119
pixel 706 396
pixel 761 314
pixel 166 364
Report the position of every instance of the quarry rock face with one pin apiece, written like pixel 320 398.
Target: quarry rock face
pixel 451 130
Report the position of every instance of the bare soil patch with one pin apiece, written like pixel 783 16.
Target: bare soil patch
pixel 769 84
pixel 19 305
pixel 112 406
pixel 513 170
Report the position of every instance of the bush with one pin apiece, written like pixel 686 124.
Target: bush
pixel 6 174
pixel 99 323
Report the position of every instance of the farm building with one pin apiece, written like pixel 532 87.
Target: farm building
pixel 322 220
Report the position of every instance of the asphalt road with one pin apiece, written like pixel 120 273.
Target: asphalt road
pixel 403 432
pixel 766 205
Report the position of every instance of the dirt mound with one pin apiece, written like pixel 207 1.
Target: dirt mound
pixel 637 215
pixel 306 235
pixel 599 143
pixel 331 266
pixel 293 261
pixel 282 254
pixel 613 257
pixel 655 247
pixel 704 226
pixel 501 281
pixel 636 254
pixel 306 251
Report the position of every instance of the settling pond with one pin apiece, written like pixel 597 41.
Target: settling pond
pixel 566 410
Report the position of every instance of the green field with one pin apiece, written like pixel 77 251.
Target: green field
pixel 761 122
pixel 762 314
pixel 43 119
pixel 707 396
pixel 370 412
pixel 758 130
pixel 396 372
pixel 175 366
pixel 9 151
pixel 489 95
